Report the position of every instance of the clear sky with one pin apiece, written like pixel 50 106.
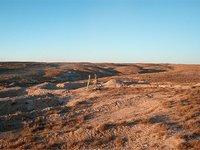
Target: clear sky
pixel 153 31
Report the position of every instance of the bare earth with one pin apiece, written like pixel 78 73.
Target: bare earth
pixel 137 106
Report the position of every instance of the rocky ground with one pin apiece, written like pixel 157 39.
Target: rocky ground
pixel 137 106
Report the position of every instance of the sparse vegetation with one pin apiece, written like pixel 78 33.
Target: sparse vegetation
pixel 153 106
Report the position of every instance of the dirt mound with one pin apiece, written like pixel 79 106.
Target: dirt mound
pixel 114 83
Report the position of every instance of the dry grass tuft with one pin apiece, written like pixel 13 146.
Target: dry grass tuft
pixel 128 123
pixel 107 139
pixel 120 142
pixel 36 128
pixel 17 144
pixel 106 126
pixel 187 111
pixel 53 145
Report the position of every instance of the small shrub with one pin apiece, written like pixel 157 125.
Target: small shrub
pixel 106 126
pixel 120 142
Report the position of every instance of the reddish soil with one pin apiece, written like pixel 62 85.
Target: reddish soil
pixel 136 106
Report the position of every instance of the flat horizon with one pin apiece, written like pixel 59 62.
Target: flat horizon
pixel 97 62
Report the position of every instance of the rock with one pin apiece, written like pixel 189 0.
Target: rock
pixel 60 85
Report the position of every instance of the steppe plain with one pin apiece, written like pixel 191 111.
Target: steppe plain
pixel 135 107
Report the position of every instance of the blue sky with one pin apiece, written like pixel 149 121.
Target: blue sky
pixel 153 31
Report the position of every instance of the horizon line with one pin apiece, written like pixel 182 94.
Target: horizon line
pixel 99 62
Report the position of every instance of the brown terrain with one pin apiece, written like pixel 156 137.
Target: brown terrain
pixel 135 107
